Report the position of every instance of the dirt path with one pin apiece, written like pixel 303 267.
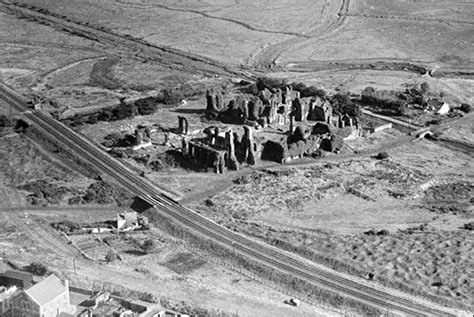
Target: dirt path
pixel 332 19
pixel 267 58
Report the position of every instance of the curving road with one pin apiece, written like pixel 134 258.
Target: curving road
pixel 264 254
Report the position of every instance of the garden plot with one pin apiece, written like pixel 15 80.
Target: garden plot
pixel 91 245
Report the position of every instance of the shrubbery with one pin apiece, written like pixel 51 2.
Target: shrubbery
pixel 382 156
pixel 103 193
pixel 343 104
pixel 66 226
pixel 274 83
pixel 145 106
pixel 308 91
pixel 44 193
pixel 270 83
pixel 6 121
pixel 389 100
pixel 111 256
pixel 37 268
pixel 102 74
pixel 465 108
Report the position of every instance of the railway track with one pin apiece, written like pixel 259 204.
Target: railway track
pixel 266 255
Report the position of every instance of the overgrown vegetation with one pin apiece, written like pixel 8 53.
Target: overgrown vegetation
pixel 6 122
pixel 102 192
pixel 276 83
pixel 44 193
pixel 343 104
pixel 453 198
pixel 146 106
pixel 304 289
pixel 66 226
pixel 389 101
pixel 268 234
pixel 103 75
pixel 38 269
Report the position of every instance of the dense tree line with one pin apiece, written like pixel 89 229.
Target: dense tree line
pixel 389 100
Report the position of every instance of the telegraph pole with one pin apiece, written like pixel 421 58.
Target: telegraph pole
pixel 74 265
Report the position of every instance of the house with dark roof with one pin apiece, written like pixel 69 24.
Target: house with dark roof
pixel 48 298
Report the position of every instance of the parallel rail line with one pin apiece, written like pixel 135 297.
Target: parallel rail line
pixel 262 253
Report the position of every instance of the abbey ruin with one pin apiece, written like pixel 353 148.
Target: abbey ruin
pixel 273 125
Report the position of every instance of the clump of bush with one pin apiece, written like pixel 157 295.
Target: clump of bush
pixel 103 193
pixel 276 83
pixel 343 104
pixel 270 83
pixel 308 91
pixel 465 108
pixel 44 193
pixel 111 256
pixel 102 74
pixel 119 140
pixel 143 107
pixel 66 226
pixel 373 232
pixel 38 268
pixel 382 156
pixel 5 122
pixel 469 226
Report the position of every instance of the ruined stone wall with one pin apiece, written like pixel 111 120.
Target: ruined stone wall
pixel 204 156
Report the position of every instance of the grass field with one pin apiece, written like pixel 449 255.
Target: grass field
pixel 306 30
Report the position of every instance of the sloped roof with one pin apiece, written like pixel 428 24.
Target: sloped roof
pixel 18 275
pixel 46 290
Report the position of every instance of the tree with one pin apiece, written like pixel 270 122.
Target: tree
pixel 124 111
pixel 465 108
pixel 341 100
pixel 313 91
pixel 146 106
pixel 424 87
pixel 171 96
pixel 148 245
pixel 382 156
pixel 37 268
pixel 268 82
pixel 111 256
pixel 343 104
pixel 105 115
pixel 299 86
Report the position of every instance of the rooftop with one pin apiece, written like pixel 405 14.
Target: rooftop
pixel 46 290
pixel 17 275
